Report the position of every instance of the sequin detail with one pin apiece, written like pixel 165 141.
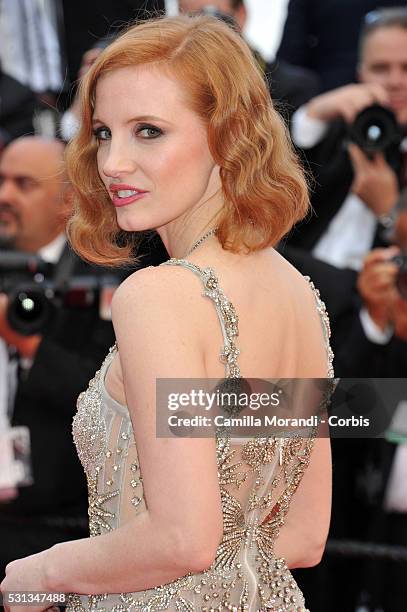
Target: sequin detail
pixel 273 467
pixel 325 324
pixel 88 426
pixel 99 516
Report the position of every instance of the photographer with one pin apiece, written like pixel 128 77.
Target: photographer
pixel 383 349
pixel 50 367
pixel 354 192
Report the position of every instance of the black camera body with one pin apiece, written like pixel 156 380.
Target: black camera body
pixel 35 296
pixel 375 129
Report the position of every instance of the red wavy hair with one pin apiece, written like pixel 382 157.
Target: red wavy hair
pixel 264 187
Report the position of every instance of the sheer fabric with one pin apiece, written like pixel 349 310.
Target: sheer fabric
pixel 257 478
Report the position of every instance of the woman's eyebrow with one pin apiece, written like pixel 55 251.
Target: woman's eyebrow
pixel 138 118
pixel 148 118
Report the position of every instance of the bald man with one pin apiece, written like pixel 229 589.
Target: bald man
pixel 55 365
pixel 32 194
pixel 33 211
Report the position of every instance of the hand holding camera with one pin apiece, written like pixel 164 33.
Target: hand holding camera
pixel 347 102
pixel 377 284
pixel 382 284
pixel 374 182
pixel 372 131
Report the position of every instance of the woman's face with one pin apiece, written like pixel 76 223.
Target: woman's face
pixel 153 154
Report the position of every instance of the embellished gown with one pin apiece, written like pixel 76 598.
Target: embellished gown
pixel 257 478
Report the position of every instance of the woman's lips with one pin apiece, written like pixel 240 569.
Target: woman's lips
pixel 118 202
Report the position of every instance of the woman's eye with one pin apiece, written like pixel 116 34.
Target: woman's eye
pixel 149 131
pixel 102 133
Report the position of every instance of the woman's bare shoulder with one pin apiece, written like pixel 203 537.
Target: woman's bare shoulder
pixel 284 288
pixel 155 315
pixel 287 271
pixel 156 279
pixel 157 291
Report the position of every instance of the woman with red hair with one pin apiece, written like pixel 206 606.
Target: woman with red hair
pixel 179 135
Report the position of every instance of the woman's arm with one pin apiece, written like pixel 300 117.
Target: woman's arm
pixel 303 537
pixel 156 315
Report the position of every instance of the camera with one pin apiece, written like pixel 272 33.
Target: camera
pixel 401 278
pixel 375 129
pixel 35 296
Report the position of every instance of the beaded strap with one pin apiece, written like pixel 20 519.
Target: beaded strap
pixel 325 325
pixel 226 312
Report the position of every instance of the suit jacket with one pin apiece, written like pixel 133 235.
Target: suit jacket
pixel 323 36
pixel 17 105
pixel 290 86
pixel 97 19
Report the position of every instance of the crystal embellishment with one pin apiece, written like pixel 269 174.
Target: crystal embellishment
pixel 273 467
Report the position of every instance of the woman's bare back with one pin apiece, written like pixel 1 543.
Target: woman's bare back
pixel 280 332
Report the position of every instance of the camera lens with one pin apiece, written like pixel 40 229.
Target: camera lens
pixel 375 129
pixel 374 135
pixel 29 310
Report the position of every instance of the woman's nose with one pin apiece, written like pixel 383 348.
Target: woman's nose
pixel 118 162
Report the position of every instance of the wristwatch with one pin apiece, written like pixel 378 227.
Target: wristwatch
pixel 388 220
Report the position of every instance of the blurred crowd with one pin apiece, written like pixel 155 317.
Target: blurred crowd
pixel 339 80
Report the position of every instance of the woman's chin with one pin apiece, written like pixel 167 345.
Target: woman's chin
pixel 128 226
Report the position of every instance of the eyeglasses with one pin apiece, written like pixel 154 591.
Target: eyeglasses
pixel 385 16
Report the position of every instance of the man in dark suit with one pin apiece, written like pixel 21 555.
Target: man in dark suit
pixel 55 364
pixel 323 37
pixel 354 194
pixel 17 105
pixel 290 86
pixel 97 19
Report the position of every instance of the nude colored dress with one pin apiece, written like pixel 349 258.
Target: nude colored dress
pixel 257 479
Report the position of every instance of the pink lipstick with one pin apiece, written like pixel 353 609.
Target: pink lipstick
pixel 125 194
